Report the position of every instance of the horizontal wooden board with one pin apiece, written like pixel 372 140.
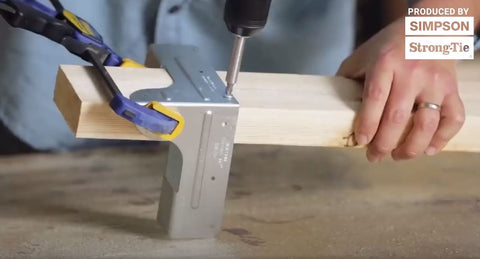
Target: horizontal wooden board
pixel 276 109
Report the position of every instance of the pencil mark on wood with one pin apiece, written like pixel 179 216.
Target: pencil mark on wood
pixel 350 140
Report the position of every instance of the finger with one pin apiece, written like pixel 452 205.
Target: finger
pixel 394 119
pixel 352 67
pixel 451 121
pixel 425 124
pixel 375 94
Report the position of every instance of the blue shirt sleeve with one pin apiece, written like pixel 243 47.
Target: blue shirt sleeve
pixel 301 36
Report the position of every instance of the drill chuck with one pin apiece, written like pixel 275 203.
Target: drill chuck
pixel 246 17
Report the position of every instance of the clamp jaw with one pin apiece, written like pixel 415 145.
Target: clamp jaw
pixel 81 39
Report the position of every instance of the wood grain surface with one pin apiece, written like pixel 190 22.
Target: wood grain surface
pixel 282 202
pixel 276 109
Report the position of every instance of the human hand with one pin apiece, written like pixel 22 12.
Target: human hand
pixel 393 86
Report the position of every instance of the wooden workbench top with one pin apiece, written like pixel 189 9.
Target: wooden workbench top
pixel 282 202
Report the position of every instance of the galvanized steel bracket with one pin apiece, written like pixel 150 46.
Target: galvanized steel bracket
pixel 195 182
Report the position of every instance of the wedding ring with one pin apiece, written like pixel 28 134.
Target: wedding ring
pixel 427 105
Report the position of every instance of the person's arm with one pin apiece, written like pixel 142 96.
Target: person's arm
pixel 393 86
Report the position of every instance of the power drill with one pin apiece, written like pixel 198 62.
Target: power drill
pixel 244 18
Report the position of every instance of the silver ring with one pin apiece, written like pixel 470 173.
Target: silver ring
pixel 427 105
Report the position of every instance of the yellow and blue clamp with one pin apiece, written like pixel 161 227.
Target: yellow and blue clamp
pixel 80 38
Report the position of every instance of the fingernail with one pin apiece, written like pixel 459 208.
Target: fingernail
pixel 362 140
pixel 431 151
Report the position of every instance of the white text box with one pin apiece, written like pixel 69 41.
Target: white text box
pixel 451 26
pixel 439 47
